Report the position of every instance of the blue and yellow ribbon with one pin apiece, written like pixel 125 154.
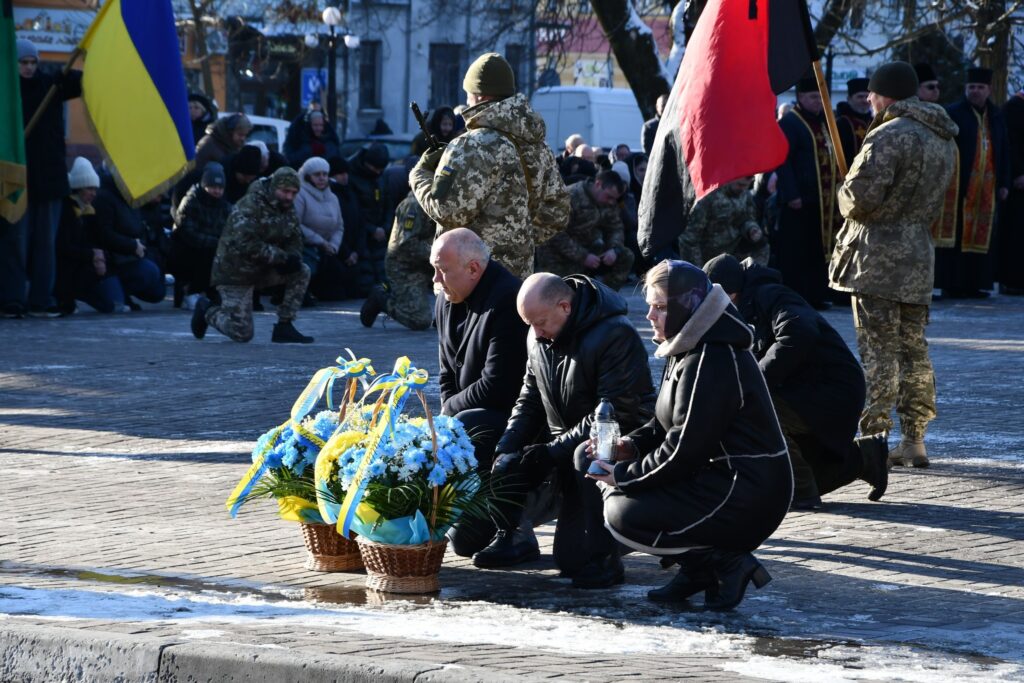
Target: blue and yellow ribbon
pixel 403 378
pixel 322 382
pixel 253 474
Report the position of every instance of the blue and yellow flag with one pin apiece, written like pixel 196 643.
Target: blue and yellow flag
pixel 134 91
pixel 12 139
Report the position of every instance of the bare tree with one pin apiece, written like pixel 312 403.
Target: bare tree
pixel 632 42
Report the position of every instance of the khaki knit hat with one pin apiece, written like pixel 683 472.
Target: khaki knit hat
pixel 285 177
pixel 490 75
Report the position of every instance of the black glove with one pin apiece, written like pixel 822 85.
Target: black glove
pixel 502 461
pixel 537 457
pixel 290 265
pixel 432 157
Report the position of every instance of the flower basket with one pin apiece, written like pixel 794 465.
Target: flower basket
pixel 402 568
pixel 328 550
pixel 400 482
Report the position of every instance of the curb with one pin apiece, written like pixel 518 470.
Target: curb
pixel 46 653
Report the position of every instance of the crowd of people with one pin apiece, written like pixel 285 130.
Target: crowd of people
pixel 515 254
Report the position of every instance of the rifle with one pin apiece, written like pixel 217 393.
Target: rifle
pixel 432 142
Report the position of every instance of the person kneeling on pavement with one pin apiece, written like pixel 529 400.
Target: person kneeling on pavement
pixel 261 246
pixel 817 385
pixel 582 348
pixel 708 479
pixel 408 297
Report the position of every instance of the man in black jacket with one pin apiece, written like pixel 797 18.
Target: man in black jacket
pixel 817 385
pixel 482 349
pixel 28 247
pixel 582 348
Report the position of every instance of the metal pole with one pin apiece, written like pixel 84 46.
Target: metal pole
pixel 332 89
pixel 344 80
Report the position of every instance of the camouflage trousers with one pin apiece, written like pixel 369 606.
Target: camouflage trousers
pixel 233 317
pixel 893 349
pixel 614 275
pixel 411 300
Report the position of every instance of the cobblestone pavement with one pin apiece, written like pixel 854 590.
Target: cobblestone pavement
pixel 121 437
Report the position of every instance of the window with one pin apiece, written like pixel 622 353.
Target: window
pixel 445 75
pixel 518 60
pixel 369 74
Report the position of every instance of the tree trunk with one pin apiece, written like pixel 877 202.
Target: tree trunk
pixel 199 36
pixel 832 19
pixel 993 45
pixel 635 51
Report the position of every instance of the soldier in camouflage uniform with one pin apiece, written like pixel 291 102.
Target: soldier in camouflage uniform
pixel 593 242
pixel 724 222
pixel 499 178
pixel 261 246
pixel 884 254
pixel 409 294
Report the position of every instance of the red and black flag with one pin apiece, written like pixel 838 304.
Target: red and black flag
pixel 719 123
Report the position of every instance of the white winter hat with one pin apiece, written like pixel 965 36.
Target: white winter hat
pixel 261 146
pixel 82 174
pixel 622 169
pixel 314 165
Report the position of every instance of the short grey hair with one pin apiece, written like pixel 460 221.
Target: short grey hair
pixel 466 245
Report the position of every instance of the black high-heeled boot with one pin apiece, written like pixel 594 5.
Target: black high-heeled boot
pixel 694 576
pixel 733 571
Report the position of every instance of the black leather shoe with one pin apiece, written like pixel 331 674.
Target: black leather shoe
pixel 874 453
pixel 601 572
pixel 694 576
pixel 507 549
pixel 806 503
pixel 733 571
pixel 199 323
pixel 285 333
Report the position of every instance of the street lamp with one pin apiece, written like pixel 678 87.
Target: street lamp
pixel 332 17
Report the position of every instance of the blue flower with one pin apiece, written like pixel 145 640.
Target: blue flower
pixel 437 476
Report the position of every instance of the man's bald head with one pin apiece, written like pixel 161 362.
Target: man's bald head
pixel 572 142
pixel 545 303
pixel 459 258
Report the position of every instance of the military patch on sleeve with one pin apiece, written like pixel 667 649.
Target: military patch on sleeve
pixel 408 223
pixel 443 182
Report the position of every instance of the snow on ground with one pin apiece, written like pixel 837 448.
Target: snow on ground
pixel 211 615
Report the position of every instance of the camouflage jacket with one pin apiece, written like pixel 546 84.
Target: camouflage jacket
pixel 592 229
pixel 498 179
pixel 890 198
pixel 722 223
pixel 411 238
pixel 258 234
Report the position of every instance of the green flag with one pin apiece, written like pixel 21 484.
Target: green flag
pixel 12 136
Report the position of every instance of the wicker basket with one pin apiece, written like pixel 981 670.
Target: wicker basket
pixel 329 551
pixel 402 568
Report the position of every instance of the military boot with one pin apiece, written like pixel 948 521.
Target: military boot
pixel 873 468
pixel 285 333
pixel 909 453
pixel 375 304
pixel 509 548
pixel 199 323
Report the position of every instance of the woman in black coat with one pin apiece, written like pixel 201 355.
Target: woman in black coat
pixel 708 479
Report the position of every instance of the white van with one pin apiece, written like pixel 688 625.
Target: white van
pixel 605 117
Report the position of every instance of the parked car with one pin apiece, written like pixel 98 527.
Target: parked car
pixel 270 131
pixel 399 144
pixel 605 117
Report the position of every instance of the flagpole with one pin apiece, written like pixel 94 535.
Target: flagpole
pixel 51 93
pixel 830 116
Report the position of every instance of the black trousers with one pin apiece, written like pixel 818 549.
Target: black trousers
pixel 580 534
pixel 815 470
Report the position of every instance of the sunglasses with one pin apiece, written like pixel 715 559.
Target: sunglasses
pixel 28 60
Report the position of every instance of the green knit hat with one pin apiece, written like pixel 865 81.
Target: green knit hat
pixel 490 75
pixel 897 80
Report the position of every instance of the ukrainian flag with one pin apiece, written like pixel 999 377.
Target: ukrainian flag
pixel 134 91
